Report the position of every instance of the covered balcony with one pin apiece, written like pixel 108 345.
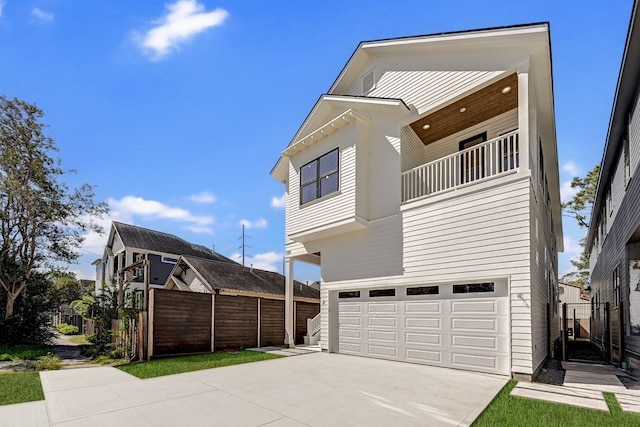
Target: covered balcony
pixel 474 139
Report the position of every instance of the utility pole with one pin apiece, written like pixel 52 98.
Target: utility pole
pixel 243 245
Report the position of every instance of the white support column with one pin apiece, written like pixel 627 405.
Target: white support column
pixel 523 120
pixel 289 319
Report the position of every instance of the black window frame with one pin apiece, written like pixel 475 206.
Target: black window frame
pixel 317 180
pixel 377 293
pixel 348 294
pixel 474 288
pixel 423 290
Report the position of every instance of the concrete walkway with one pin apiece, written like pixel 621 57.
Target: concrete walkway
pixel 583 386
pixel 315 389
pixel 68 352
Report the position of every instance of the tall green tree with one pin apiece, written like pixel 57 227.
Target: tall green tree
pixel 579 208
pixel 42 220
pixel 580 205
pixel 66 287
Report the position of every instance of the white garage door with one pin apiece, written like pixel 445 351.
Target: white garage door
pixel 462 326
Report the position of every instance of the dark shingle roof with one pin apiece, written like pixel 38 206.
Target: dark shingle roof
pixel 143 238
pixel 222 275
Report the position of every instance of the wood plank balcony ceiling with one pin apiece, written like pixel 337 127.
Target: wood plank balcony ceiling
pixel 476 108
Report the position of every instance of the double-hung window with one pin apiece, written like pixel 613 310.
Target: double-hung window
pixel 319 177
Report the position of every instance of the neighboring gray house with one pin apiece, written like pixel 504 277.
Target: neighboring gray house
pixel 128 244
pixel 613 240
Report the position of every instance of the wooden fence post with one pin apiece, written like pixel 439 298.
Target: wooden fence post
pixel 259 322
pixel 609 338
pixel 213 323
pixel 150 324
pixel 549 329
pixel 620 333
pixel 565 333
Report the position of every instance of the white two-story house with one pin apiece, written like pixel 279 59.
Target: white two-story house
pixel 425 186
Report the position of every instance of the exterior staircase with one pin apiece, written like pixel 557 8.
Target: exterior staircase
pixel 313 331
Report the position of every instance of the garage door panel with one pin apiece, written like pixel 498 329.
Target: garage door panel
pixel 416 355
pixel 474 324
pixel 354 308
pixel 374 322
pixel 423 307
pixel 474 361
pixel 416 338
pixel 461 307
pixel 391 336
pixel 386 308
pixel 350 320
pixel 478 342
pixel 383 350
pixel 350 347
pixel 351 333
pixel 423 323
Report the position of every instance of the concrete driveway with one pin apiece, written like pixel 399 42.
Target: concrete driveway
pixel 316 389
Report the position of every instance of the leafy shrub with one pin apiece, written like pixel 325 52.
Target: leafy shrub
pixel 66 329
pixel 48 363
pixel 26 352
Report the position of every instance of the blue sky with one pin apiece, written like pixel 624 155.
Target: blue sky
pixel 177 111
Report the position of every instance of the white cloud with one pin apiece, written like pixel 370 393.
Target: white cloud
pixel 130 206
pixel 2 3
pixel 571 168
pixel 184 20
pixel 567 192
pixel 42 15
pixel 199 229
pixel 572 246
pixel 203 198
pixel 259 223
pixel 278 202
pixel 572 251
pixel 270 261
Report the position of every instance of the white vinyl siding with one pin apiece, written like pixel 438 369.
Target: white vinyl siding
pixel 482 235
pixel 618 188
pixel 335 207
pixel 419 81
pixel 634 137
pixel 384 164
pixel 543 270
pixel 412 149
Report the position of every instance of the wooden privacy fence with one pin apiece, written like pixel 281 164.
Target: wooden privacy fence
pixel 189 322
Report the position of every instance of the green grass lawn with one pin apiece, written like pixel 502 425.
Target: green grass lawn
pixel 79 339
pixel 507 410
pixel 180 364
pixel 20 387
pixel 27 352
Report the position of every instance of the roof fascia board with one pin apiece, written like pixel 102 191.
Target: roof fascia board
pixel 366 48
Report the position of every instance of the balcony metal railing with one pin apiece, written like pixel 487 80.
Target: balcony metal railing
pixel 478 163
